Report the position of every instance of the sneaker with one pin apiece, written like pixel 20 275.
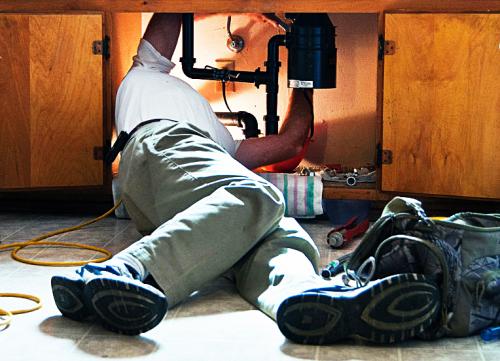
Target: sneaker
pixel 68 296
pixel 68 289
pixel 113 295
pixel 124 305
pixel 388 310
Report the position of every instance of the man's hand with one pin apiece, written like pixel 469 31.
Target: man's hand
pixel 270 19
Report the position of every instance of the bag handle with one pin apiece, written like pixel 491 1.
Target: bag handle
pixel 444 266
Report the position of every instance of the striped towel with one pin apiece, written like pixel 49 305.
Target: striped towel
pixel 303 194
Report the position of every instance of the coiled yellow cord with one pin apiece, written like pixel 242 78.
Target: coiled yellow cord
pixel 17 246
pixel 6 321
pixel 37 241
pixel 38 303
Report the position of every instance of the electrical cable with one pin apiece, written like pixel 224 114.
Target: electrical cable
pixel 228 27
pixel 224 95
pixel 37 241
pixel 38 303
pixel 7 318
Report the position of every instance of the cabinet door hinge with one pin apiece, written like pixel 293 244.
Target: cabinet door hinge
pixel 101 47
pixel 385 47
pixel 384 156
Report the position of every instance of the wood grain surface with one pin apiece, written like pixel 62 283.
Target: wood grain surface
pixel 55 101
pixel 241 6
pixel 14 101
pixel 441 111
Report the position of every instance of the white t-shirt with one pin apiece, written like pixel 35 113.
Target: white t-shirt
pixel 148 91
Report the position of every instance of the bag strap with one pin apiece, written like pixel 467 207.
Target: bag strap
pixel 443 327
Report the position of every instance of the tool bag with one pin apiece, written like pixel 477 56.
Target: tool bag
pixel 461 253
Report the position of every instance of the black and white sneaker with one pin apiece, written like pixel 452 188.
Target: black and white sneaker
pixel 112 294
pixel 125 305
pixel 68 289
pixel 388 310
pixel 68 295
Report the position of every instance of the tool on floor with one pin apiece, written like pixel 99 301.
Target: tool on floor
pixel 337 237
pixel 335 267
pixel 330 270
pixel 491 334
pixel 350 178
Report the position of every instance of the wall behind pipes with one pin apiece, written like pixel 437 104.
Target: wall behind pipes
pixel 345 117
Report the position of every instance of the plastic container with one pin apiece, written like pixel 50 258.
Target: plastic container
pixel 339 211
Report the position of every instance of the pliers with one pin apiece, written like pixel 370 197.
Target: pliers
pixel 338 236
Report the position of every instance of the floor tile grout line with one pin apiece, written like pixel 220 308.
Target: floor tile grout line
pixel 119 233
pixel 59 236
pixel 94 255
pixel 20 266
pixel 480 350
pixel 83 337
pixel 9 235
pixel 23 227
pixel 112 239
pixel 36 255
pixel 400 354
pixel 43 248
pixel 316 353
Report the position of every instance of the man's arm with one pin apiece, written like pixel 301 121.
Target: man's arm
pixel 257 152
pixel 163 32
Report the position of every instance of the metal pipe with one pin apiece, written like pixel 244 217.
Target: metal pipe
pixel 269 77
pixel 272 68
pixel 209 73
pixel 240 119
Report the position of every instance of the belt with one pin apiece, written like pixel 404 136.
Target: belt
pixel 122 140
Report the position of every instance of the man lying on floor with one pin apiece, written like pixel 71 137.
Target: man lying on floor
pixel 189 190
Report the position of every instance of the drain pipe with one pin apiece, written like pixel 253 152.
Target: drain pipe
pixel 269 77
pixel 210 73
pixel 241 119
pixel 272 68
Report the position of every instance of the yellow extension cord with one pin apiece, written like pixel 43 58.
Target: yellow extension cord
pixel 5 315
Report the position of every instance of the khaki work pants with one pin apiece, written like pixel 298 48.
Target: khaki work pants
pixel 203 214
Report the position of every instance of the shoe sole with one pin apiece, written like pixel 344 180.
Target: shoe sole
pixel 69 298
pixel 125 306
pixel 393 310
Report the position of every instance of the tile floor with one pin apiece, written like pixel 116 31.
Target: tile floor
pixel 215 324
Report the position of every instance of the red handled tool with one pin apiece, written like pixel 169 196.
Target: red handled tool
pixel 340 235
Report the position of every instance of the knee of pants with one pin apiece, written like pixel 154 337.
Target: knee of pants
pixel 261 194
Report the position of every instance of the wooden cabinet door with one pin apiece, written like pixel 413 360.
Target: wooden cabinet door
pixel 51 100
pixel 441 107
